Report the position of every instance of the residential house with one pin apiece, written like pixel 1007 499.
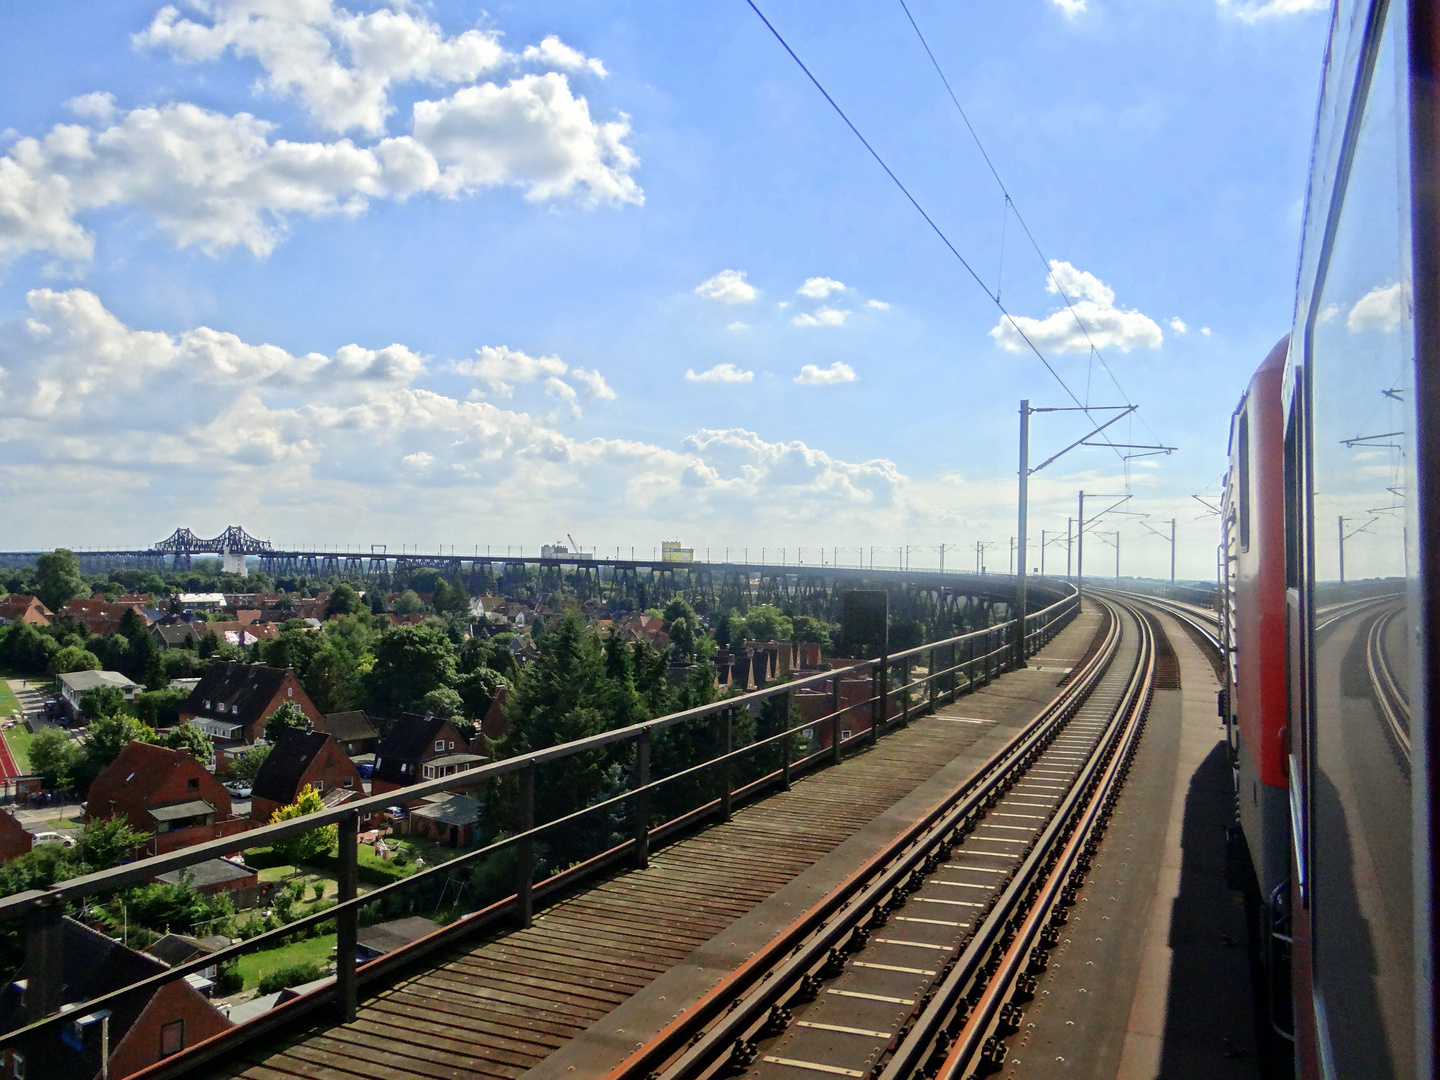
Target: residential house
pixel 172 950
pixel 215 876
pixel 166 794
pixel 354 731
pixel 814 705
pixel 446 819
pixel 15 839
pixel 298 760
pixel 74 685
pixel 174 635
pixel 417 749
pixel 101 616
pixel 19 608
pixel 192 601
pixel 495 724
pixel 233 700
pixel 385 937
pixel 142 1028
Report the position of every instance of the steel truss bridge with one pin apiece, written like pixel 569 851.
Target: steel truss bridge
pixel 760 581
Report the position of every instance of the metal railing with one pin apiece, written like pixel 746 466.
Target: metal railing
pixel 896 693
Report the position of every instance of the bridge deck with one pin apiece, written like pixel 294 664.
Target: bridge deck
pixel 505 1003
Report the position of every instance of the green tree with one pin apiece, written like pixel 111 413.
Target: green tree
pixel 247 766
pixel 110 734
pixel 443 701
pixel 161 708
pixel 478 690
pixel 58 579
pixel 310 846
pixel 286 717
pixel 344 600
pixel 408 603
pixel 72 658
pixel 105 842
pixel 410 661
pixel 768 623
pixel 53 755
pixel 809 628
pixel 101 702
pixel 190 737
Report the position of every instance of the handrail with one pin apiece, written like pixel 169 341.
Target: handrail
pixel 977 668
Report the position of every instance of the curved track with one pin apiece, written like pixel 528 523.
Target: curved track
pixel 925 957
pixel 1389 693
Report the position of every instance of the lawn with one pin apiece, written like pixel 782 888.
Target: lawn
pixel 8 704
pixel 19 740
pixel 316 950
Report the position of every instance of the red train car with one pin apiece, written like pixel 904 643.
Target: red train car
pixel 1331 547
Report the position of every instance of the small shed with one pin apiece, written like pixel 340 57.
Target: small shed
pixel 451 820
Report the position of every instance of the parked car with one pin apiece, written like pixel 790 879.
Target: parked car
pixel 365 770
pixel 54 838
pixel 395 813
pixel 239 789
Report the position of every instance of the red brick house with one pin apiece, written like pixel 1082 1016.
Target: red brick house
pixel 813 706
pixel 101 616
pixel 143 1028
pixel 300 759
pixel 18 608
pixel 232 701
pixel 14 839
pixel 166 794
pixel 416 749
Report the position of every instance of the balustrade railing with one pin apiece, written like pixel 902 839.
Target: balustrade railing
pixel 897 688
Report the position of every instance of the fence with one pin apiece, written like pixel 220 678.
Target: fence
pixel 898 690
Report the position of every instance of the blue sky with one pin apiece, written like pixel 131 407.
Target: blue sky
pixel 437 274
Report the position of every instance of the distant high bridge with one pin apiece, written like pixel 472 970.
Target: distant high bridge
pixel 765 579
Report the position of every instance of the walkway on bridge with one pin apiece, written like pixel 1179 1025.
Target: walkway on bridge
pixel 600 971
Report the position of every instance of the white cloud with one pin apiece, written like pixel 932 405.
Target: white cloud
pixel 1328 312
pixel 1379 309
pixel 552 52
pixel 1094 306
pixel 818 288
pixel 1178 325
pixel 1070 7
pixel 724 373
pixel 593 384
pixel 838 372
pixel 879 305
pixel 825 315
pixel 728 287
pixel 1253 11
pixel 219 181
pixel 1205 330
pixel 737 325
pixel 204 425
pixel 500 367
pixel 340 65
pixel 97 106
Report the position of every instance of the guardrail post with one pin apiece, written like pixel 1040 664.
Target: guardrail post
pixel 525 853
pixel 727 743
pixel 788 702
pixel 905 690
pixel 347 919
pixel 835 699
pixel 931 685
pixel 879 697
pixel 43 991
pixel 642 800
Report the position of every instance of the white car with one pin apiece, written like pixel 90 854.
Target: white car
pixel 239 789
pixel 54 838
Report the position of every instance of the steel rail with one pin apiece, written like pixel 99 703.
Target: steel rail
pixel 1389 696
pixel 978 1045
pixel 724 1024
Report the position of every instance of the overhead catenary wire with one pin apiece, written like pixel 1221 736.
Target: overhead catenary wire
pixel 994 297
pixel 1096 354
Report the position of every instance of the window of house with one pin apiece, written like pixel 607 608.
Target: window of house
pixel 290 691
pixel 452 746
pixel 207 704
pixel 439 744
pixel 405 768
pixel 319 785
pixel 17 1065
pixel 193 784
pixel 172 1038
pixel 845 734
pixel 349 781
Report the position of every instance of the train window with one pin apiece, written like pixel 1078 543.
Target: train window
pixel 1243 451
pixel 1358 440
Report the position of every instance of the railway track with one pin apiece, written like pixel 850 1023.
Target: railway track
pixel 920 964
pixel 1389 693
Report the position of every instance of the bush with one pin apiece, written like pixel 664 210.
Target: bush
pixel 228 979
pixel 290 976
